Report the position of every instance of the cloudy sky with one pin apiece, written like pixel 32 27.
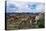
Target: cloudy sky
pixel 28 0
pixel 19 6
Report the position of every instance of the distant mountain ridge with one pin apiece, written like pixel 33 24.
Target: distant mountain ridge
pixel 19 14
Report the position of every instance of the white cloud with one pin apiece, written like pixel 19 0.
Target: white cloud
pixel 23 7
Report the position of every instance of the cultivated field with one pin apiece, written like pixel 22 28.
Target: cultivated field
pixel 24 22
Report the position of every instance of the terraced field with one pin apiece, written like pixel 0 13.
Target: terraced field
pixel 23 22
